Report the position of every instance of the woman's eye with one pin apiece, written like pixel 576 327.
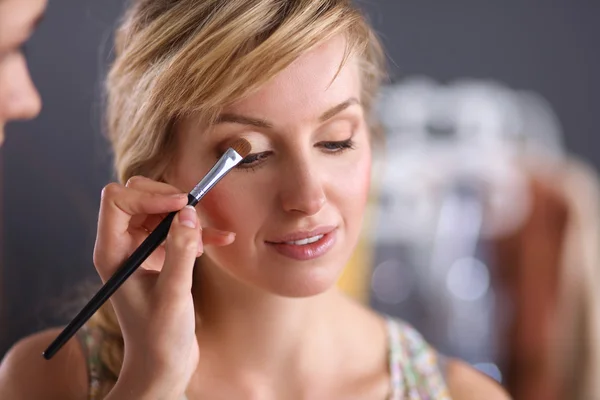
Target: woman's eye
pixel 337 147
pixel 252 160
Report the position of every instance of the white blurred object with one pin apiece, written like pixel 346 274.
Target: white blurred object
pixel 438 133
pixel 468 279
pixel 392 282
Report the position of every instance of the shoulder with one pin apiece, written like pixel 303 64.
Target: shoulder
pixel 466 383
pixel 458 379
pixel 25 374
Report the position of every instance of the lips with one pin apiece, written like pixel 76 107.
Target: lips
pixel 306 245
pixel 303 235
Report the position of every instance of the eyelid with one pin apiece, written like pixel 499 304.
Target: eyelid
pixel 222 146
pixel 350 115
pixel 258 142
pixel 340 125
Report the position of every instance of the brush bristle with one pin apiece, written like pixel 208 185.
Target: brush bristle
pixel 242 147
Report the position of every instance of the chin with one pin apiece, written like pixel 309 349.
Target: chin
pixel 301 281
pixel 281 276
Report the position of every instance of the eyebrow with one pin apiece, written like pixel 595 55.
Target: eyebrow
pixel 332 112
pixel 241 119
pixel 261 123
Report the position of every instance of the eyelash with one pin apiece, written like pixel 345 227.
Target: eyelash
pixel 335 148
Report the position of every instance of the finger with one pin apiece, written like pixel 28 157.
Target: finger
pixel 209 236
pixel 118 205
pixel 175 280
pixel 216 237
pixel 144 184
pixel 147 223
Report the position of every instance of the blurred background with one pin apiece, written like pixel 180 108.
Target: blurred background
pixel 483 229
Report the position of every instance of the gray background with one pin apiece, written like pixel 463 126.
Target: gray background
pixel 54 167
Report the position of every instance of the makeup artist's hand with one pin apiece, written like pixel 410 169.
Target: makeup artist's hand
pixel 154 306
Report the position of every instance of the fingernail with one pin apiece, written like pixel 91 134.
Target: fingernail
pixel 188 217
pixel 179 195
pixel 224 233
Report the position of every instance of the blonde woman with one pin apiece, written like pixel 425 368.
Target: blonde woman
pixel 240 303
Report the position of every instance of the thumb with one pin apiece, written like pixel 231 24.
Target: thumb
pixel 181 249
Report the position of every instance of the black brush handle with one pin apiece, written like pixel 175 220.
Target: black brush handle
pixel 136 259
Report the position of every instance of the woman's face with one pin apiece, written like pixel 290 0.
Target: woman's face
pixel 19 98
pixel 297 201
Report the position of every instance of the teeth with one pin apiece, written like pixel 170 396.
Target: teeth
pixel 305 241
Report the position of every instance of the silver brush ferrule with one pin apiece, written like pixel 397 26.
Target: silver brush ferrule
pixel 227 161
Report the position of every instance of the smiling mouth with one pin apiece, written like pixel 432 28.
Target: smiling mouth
pixel 303 242
pixel 312 246
pixel 303 237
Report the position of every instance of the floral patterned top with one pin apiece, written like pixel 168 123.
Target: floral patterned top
pixel 417 371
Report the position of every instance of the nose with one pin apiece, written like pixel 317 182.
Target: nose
pixel 19 99
pixel 302 188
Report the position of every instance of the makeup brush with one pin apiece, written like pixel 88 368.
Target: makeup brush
pixel 232 157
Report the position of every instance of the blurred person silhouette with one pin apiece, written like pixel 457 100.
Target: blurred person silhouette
pixel 19 98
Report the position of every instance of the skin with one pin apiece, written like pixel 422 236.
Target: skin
pixel 19 99
pixel 271 327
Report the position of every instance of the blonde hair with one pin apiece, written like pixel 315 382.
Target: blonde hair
pixel 178 57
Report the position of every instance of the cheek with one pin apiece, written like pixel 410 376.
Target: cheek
pixel 225 205
pixel 352 186
pixel 363 173
pixel 233 207
pixel 221 209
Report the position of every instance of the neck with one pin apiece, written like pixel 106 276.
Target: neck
pixel 278 347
